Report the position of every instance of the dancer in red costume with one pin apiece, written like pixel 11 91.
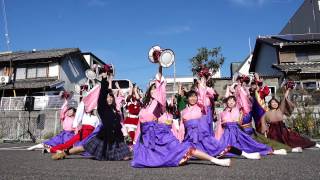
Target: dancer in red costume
pixel 133 108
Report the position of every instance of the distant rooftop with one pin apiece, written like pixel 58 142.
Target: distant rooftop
pixel 37 54
pixel 290 39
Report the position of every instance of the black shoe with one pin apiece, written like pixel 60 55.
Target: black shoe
pixel 44 151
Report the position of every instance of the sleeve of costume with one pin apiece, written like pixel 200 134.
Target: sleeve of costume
pixel 202 95
pixel 105 111
pixel 219 130
pixel 175 129
pixel 79 115
pixel 181 131
pixel 63 110
pixel 202 92
pixel 243 101
pixel 211 93
pixel 102 100
pixel 228 92
pixel 119 99
pixel 160 94
pixel 91 100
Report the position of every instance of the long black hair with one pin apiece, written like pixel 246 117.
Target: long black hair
pixel 147 98
pixel 113 105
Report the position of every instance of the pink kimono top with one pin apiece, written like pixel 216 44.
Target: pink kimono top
pixel 66 120
pixel 189 113
pixel 227 116
pixel 159 96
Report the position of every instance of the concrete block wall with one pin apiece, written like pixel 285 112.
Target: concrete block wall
pixel 14 124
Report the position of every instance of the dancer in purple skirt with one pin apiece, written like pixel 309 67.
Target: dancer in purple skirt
pixel 155 144
pixel 229 132
pixel 194 130
pixel 66 117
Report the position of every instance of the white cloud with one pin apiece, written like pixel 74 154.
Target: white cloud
pixel 170 30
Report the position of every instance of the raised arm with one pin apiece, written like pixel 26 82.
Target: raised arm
pixel 286 106
pixel 264 127
pixel 243 100
pixel 64 109
pixel 160 94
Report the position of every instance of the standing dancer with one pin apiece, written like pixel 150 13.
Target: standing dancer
pixel 274 127
pixel 66 118
pixel 133 108
pixel 107 141
pixel 156 146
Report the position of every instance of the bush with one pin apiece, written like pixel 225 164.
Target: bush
pixel 305 122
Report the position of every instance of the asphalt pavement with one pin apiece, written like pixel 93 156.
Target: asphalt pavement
pixel 17 163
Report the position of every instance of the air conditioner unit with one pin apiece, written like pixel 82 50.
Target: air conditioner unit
pixel 4 79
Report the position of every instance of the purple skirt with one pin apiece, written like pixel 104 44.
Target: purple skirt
pixel 158 147
pixel 206 123
pixel 257 113
pixel 198 135
pixel 234 136
pixel 247 120
pixel 60 138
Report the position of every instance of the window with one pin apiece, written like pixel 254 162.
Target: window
pixel 1 71
pixel 31 72
pixel 310 85
pixel 298 85
pixel 42 71
pixel 314 56
pixel 53 70
pixel 302 56
pixel 21 73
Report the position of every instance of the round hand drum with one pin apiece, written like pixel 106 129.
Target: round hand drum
pixel 166 58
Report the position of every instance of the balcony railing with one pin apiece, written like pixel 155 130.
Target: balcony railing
pixel 40 102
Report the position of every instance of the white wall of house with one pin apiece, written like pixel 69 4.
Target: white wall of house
pixel 244 69
pixel 72 71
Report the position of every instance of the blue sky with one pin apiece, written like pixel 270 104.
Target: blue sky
pixel 122 31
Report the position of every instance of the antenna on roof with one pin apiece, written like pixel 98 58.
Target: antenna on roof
pixel 5 25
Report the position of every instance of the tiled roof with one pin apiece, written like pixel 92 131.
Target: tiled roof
pixel 41 54
pixel 292 39
pixel 304 67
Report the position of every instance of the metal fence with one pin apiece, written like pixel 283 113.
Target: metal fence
pixel 40 102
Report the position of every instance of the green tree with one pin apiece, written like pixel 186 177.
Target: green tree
pixel 208 58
